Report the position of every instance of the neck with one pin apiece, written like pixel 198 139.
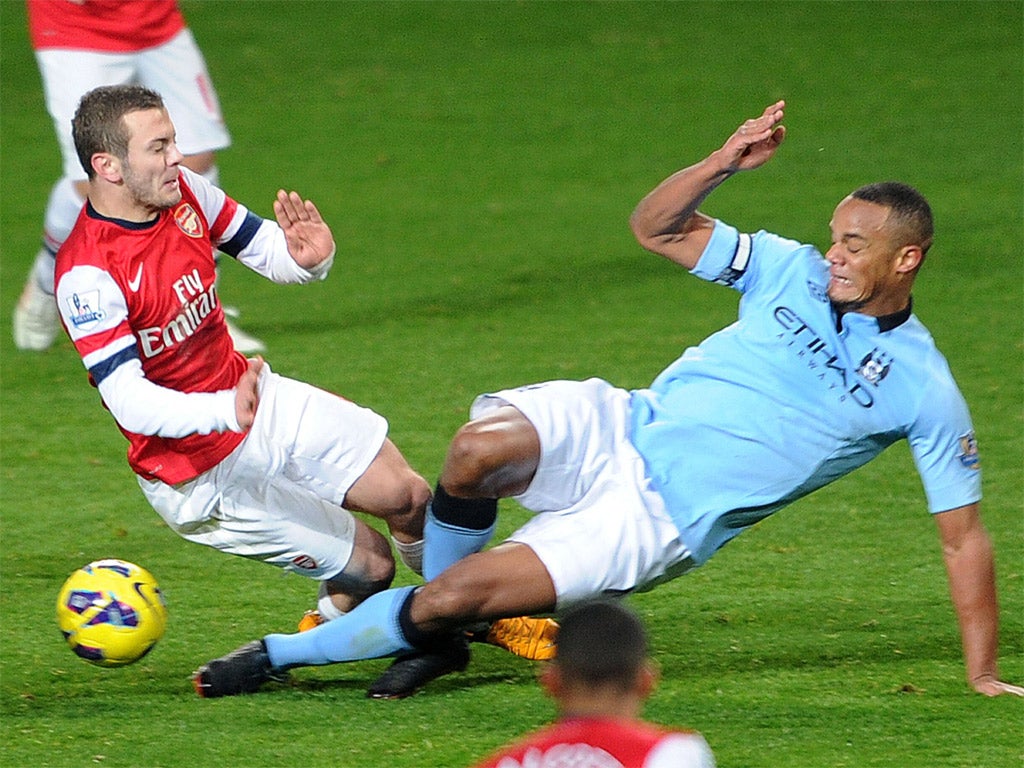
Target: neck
pixel 113 202
pixel 619 705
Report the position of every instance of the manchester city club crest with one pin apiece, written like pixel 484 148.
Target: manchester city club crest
pixel 875 366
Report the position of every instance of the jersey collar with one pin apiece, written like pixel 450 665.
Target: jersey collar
pixel 92 213
pixel 885 322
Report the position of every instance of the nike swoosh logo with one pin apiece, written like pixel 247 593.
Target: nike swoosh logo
pixel 134 284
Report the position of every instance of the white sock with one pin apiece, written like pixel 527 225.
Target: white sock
pixel 324 604
pixel 411 554
pixel 62 209
pixel 42 271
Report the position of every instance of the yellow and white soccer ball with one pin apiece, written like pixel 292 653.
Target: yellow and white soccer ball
pixel 111 612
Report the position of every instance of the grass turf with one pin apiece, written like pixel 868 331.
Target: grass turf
pixel 478 162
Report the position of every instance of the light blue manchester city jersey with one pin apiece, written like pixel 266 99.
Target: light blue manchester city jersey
pixel 783 402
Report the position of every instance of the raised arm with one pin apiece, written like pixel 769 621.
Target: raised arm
pixel 967 552
pixel 667 221
pixel 308 237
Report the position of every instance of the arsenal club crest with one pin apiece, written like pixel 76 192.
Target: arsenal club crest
pixel 188 220
pixel 304 562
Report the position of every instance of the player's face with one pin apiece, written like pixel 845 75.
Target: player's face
pixel 864 273
pixel 150 171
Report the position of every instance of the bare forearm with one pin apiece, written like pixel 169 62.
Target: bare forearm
pixel 973 592
pixel 667 221
pixel 668 214
pixel 970 565
pixel 671 204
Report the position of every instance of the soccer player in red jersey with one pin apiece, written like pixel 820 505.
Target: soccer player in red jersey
pixel 229 453
pixel 599 680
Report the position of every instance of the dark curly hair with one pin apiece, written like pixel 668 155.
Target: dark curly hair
pixel 98 125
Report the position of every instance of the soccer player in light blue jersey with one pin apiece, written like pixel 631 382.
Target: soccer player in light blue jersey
pixel 825 367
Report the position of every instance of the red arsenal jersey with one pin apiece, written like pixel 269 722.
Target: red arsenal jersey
pixel 588 742
pixel 128 290
pixel 103 25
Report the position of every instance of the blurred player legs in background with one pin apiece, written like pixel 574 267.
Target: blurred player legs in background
pixel 82 44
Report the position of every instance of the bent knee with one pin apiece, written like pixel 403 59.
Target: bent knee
pixel 400 497
pixel 469 459
pixel 408 496
pixel 493 456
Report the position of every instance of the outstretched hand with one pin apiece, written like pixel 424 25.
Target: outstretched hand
pixel 991 686
pixel 754 142
pixel 308 237
pixel 247 393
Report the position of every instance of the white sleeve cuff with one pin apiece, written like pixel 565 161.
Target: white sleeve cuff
pixel 145 408
pixel 267 253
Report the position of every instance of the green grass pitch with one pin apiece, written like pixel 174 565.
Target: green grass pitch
pixel 478 162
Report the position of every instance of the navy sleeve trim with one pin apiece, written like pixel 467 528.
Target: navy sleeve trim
pixel 739 263
pixel 100 371
pixel 243 236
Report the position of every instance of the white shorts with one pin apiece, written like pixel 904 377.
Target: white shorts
pixel 599 527
pixel 277 497
pixel 176 70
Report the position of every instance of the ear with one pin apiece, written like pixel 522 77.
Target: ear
pixel 647 679
pixel 107 167
pixel 551 680
pixel 909 258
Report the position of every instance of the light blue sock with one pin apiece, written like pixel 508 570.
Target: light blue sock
pixel 445 544
pixel 368 631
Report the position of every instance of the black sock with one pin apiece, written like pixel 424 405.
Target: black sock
pixel 472 514
pixel 422 641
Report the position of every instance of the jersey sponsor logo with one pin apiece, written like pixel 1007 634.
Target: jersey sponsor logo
pixel 305 562
pixel 85 309
pixel 814 351
pixel 188 220
pixel 135 282
pixel 562 756
pixel 197 303
pixel 968 455
pixel 818 291
pixel 875 366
